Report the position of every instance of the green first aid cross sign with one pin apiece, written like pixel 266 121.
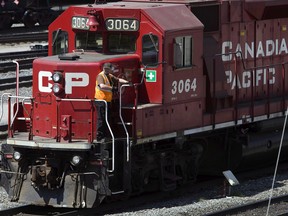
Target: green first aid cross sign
pixel 151 76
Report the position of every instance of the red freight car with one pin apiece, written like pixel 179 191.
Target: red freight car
pixel 207 93
pixel 32 12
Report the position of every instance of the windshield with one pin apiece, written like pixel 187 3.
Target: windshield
pixel 121 43
pixel 89 41
pixel 117 42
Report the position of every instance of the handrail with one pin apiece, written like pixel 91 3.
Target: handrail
pixel 10 123
pixel 106 120
pixel 122 121
pixel 2 110
pixel 64 99
pixel 135 108
pixel 17 110
pixel 112 135
pixel 24 106
pixel 17 89
pixel 30 114
pixel 75 99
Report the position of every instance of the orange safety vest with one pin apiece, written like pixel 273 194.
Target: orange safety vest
pixel 103 94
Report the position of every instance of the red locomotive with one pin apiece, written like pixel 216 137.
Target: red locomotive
pixel 208 93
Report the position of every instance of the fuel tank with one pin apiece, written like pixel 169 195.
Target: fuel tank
pixel 245 147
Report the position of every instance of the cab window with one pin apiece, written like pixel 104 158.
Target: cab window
pixel 60 42
pixel 121 43
pixel 89 41
pixel 183 51
pixel 150 50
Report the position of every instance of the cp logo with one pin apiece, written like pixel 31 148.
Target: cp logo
pixel 72 80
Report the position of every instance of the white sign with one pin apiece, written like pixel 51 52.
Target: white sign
pixel 72 81
pixel 80 22
pixel 183 86
pixel 244 80
pixel 256 77
pixel 262 49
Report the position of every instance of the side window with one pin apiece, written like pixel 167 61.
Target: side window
pixel 60 42
pixel 183 51
pixel 150 49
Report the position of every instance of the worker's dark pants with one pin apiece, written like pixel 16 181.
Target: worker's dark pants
pixel 102 128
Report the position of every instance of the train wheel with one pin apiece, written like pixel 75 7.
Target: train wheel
pixel 5 21
pixel 29 19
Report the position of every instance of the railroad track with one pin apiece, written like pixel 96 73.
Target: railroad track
pixel 25 59
pixel 32 210
pixel 123 206
pixel 259 206
pixel 3 128
pixel 3 133
pixel 23 54
pixel 10 66
pixel 22 35
pixel 10 83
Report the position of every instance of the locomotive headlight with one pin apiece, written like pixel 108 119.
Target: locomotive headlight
pixel 56 88
pixel 76 160
pixel 57 77
pixel 16 155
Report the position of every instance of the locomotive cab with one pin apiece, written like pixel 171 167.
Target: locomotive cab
pixel 168 79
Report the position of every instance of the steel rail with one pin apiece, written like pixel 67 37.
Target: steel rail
pixel 249 206
pixel 12 37
pixel 3 128
pixel 10 83
pixel 25 59
pixel 15 210
pixel 23 54
pixel 43 210
pixel 10 66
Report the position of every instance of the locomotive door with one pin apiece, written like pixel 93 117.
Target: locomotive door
pixel 152 61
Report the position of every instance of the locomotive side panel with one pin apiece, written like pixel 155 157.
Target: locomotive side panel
pixel 246 69
pixel 260 75
pixel 184 80
pixel 245 62
pixel 181 73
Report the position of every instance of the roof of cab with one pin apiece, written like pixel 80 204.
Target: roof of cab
pixel 173 17
pixel 165 17
pixel 168 17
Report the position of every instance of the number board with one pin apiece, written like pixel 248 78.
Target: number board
pixel 80 23
pixel 116 24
